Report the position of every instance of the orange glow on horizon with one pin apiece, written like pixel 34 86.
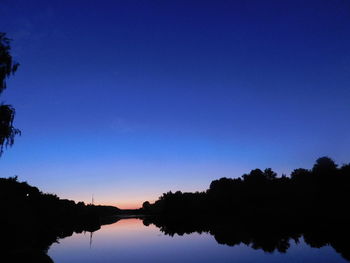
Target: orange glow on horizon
pixel 125 205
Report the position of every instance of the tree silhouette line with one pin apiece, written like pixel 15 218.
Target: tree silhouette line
pixel 264 211
pixel 321 193
pixel 31 220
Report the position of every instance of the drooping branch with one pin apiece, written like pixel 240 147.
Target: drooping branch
pixel 7 65
pixel 7 131
pixel 7 112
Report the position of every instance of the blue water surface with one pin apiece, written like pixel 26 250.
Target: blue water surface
pixel 129 240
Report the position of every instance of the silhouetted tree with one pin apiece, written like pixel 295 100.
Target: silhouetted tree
pixel 254 176
pixel 300 174
pixel 269 174
pixel 31 221
pixel 324 166
pixel 146 206
pixel 7 65
pixel 7 112
pixel 322 192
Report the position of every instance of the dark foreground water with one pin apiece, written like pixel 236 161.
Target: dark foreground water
pixel 129 240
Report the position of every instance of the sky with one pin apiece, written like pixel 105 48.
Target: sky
pixel 125 100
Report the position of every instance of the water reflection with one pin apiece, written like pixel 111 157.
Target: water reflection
pixel 259 234
pixel 180 240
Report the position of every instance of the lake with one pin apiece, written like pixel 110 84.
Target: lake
pixel 130 240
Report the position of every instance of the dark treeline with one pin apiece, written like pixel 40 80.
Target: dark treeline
pixel 258 234
pixel 31 221
pixel 321 193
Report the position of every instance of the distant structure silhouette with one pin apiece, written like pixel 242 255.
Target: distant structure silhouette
pixel 91 234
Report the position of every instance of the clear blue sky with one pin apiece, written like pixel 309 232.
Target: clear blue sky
pixel 129 99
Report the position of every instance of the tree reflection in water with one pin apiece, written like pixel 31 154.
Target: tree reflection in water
pixel 268 236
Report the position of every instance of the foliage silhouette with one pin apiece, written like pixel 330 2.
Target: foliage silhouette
pixel 258 209
pixel 318 194
pixel 31 220
pixel 264 211
pixel 7 112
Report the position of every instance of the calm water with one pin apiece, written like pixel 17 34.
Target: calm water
pixel 129 240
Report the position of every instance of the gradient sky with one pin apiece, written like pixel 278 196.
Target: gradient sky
pixel 128 99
